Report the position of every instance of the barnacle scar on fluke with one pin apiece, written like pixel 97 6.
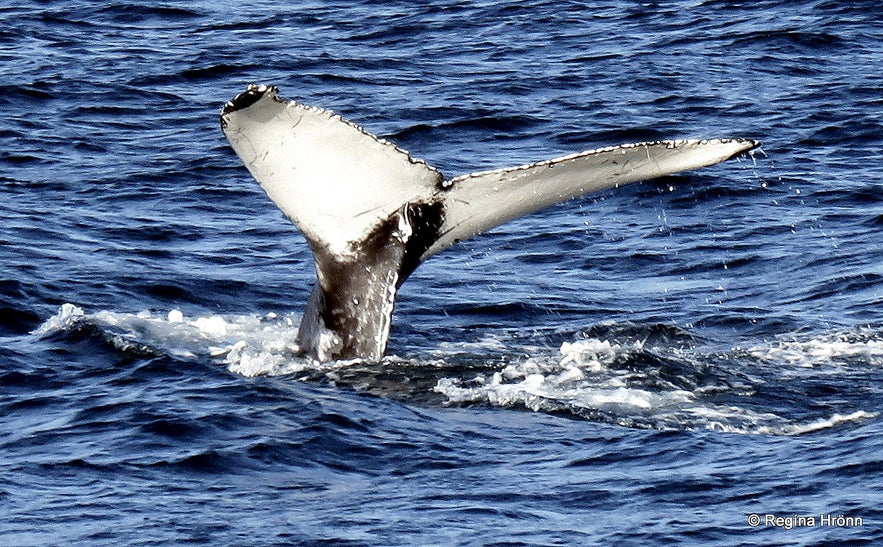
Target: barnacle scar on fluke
pixel 372 214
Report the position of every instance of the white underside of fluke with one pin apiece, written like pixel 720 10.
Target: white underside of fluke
pixel 332 179
pixel 479 201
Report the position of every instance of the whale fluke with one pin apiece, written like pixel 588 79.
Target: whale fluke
pixel 372 214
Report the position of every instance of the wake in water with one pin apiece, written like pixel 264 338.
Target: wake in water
pixel 641 376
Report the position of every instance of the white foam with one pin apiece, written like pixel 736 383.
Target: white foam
pixel 67 316
pixel 587 377
pixel 590 354
pixel 250 345
pixel 579 379
pixel 176 316
pixel 824 423
pixel 583 381
pixel 859 346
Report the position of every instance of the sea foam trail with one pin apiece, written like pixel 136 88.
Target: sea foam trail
pixel 599 380
pixel 585 381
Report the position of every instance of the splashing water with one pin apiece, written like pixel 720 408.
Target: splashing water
pixel 625 383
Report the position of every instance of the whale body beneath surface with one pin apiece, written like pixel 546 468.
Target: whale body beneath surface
pixel 372 214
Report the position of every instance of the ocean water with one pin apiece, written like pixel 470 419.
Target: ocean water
pixel 657 364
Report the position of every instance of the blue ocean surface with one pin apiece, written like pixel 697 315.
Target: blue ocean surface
pixel 695 360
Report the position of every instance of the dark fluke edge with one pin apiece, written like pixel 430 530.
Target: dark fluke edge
pixel 372 214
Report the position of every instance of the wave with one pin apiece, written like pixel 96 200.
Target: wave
pixel 632 375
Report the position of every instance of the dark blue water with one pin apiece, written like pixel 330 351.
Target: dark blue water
pixel 651 365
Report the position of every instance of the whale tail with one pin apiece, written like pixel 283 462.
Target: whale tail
pixel 372 214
